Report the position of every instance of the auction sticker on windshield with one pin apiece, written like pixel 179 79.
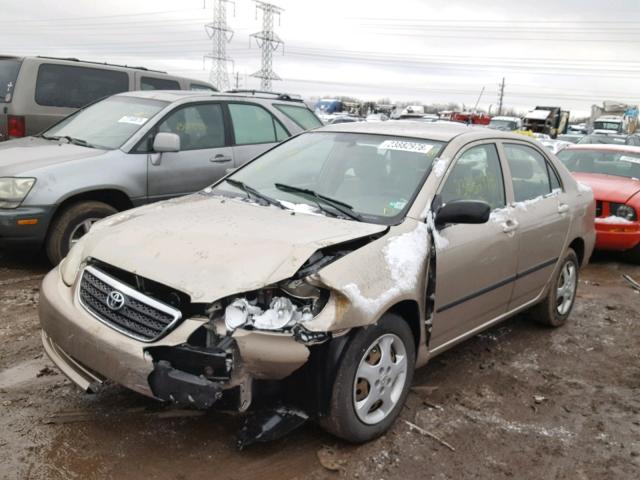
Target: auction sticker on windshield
pixel 405 146
pixel 133 120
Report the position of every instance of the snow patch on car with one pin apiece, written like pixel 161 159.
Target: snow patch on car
pixel 612 219
pixel 439 166
pixel 300 208
pixel 584 188
pixel 404 255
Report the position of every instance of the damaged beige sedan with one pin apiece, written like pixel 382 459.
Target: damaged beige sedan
pixel 310 283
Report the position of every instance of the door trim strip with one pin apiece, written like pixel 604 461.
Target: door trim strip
pixel 499 284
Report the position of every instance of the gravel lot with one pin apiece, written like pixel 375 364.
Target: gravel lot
pixel 518 401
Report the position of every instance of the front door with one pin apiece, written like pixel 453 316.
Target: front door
pixel 475 264
pixel 204 155
pixel 542 218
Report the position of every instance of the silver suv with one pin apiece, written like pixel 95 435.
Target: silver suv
pixel 130 149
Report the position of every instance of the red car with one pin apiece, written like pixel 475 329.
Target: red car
pixel 613 173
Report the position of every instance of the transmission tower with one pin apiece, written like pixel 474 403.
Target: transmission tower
pixel 268 42
pixel 220 34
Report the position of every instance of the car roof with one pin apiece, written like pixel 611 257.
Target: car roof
pixel 443 132
pixel 176 95
pixel 605 146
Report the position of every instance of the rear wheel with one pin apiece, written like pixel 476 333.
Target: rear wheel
pixel 71 225
pixel 556 307
pixel 372 381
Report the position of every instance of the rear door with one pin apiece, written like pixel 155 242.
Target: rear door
pixel 205 152
pixel 541 213
pixel 255 130
pixel 475 264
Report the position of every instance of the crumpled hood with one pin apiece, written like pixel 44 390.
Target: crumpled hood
pixel 608 187
pixel 24 155
pixel 210 247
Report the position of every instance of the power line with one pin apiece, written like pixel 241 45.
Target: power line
pixel 220 34
pixel 269 42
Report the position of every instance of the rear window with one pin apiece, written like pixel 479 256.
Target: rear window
pixel 148 83
pixel 8 74
pixel 301 116
pixel 75 87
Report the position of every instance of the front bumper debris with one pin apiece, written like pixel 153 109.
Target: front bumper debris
pixel 181 387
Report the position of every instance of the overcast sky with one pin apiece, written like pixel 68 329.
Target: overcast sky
pixel 571 53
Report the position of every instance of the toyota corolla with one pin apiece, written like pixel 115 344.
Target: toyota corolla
pixel 316 278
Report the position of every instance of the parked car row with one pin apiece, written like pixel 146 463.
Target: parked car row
pixel 265 257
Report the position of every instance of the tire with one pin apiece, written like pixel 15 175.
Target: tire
pixel 551 312
pixel 72 221
pixel 343 420
pixel 633 255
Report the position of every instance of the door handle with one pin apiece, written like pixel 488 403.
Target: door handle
pixel 509 226
pixel 220 159
pixel 563 208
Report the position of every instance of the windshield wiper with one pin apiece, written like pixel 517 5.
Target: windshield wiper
pixel 75 141
pixel 343 208
pixel 252 191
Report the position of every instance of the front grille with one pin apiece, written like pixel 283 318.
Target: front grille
pixel 131 313
pixel 598 208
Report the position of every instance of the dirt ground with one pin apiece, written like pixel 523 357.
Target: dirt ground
pixel 518 401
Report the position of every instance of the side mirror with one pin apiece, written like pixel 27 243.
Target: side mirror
pixel 463 211
pixel 166 142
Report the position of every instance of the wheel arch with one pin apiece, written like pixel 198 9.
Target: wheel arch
pixel 578 246
pixel 111 196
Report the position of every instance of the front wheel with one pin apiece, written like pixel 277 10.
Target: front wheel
pixel 72 224
pixel 554 310
pixel 372 381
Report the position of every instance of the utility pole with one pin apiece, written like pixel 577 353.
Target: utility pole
pixel 220 34
pixel 500 96
pixel 237 80
pixel 268 42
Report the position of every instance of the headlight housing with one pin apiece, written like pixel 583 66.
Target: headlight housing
pixel 280 307
pixel 623 211
pixel 13 190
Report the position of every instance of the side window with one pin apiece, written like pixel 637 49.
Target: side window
pixel 529 172
pixel 74 87
pixel 149 83
pixel 302 116
pixel 477 175
pixel 253 124
pixel 199 126
pixel 555 180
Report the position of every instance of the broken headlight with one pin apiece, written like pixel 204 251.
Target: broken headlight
pixel 276 308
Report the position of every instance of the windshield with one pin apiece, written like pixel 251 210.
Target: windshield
pixel 378 176
pixel 619 164
pixel 606 126
pixel 107 124
pixel 8 74
pixel 603 139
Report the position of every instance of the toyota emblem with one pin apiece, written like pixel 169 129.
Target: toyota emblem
pixel 115 300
